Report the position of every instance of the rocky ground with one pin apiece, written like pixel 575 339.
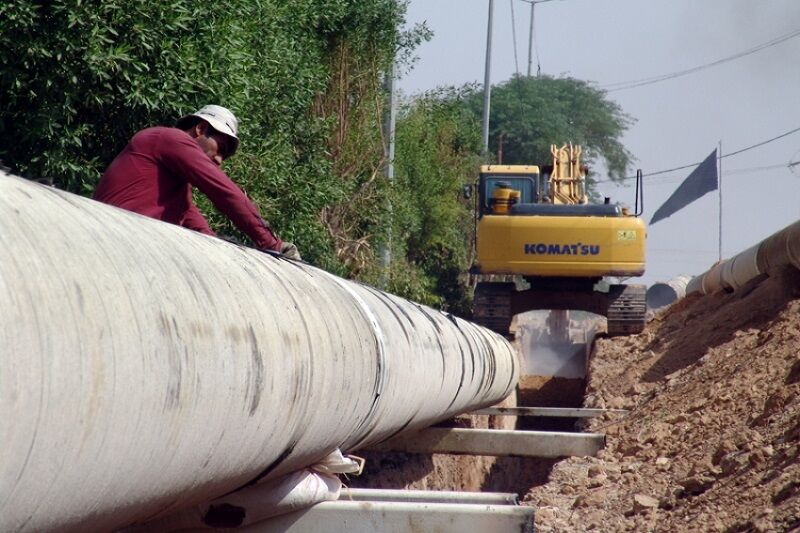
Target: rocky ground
pixel 712 441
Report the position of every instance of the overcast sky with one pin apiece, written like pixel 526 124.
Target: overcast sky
pixel 679 121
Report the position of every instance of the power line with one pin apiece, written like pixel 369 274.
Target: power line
pixel 682 167
pixel 619 86
pixel 782 135
pixel 676 178
pixel 682 251
pixel 748 170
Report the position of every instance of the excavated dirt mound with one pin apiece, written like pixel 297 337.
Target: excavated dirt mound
pixel 712 441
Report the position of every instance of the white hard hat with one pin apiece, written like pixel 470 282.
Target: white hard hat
pixel 219 118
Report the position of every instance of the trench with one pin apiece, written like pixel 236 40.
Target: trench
pixel 394 470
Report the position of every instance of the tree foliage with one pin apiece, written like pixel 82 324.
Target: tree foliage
pixel 531 113
pixel 438 147
pixel 80 78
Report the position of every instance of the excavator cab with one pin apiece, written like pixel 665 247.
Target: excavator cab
pixel 500 192
pixel 537 223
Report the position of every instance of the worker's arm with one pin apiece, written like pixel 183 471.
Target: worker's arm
pixel 181 155
pixel 194 220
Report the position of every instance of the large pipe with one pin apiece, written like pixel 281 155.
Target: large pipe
pixel 663 293
pixel 145 368
pixel 779 250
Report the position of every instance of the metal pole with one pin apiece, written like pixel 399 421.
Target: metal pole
pixel 389 122
pixel 530 41
pixel 487 84
pixel 719 258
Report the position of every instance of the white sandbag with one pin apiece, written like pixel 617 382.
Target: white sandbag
pixel 289 493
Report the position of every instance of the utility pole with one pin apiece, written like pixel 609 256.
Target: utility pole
pixel 530 41
pixel 487 83
pixel 389 120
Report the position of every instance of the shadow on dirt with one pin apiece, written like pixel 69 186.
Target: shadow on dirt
pixel 517 474
pixel 390 470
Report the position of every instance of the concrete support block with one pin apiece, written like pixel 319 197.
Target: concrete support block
pixel 397 517
pixel 496 442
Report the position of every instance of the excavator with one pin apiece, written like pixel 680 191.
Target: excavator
pixel 537 225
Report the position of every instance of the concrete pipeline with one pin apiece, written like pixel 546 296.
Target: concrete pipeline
pixel 664 293
pixel 779 250
pixel 145 368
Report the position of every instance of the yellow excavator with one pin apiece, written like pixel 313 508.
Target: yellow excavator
pixel 537 223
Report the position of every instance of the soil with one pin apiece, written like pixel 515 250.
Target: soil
pixel 547 391
pixel 711 441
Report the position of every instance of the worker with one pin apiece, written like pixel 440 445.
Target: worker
pixel 154 175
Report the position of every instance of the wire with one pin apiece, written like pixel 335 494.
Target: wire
pixel 737 152
pixel 619 86
pixel 755 169
pixel 782 135
pixel 677 178
pixel 514 36
pixel 682 251
pixel 737 171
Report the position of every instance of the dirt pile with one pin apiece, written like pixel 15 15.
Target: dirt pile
pixel 712 441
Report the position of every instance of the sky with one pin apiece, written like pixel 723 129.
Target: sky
pixel 737 104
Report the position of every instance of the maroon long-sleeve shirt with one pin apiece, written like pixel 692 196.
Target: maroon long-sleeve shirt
pixel 154 175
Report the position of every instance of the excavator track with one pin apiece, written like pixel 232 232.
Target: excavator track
pixel 491 306
pixel 626 309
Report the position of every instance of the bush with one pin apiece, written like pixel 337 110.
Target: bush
pixel 438 147
pixel 80 78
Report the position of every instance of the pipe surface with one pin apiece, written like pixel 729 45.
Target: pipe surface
pixel 779 250
pixel 663 293
pixel 147 368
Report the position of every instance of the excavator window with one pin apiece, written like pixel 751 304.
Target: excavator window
pixel 526 185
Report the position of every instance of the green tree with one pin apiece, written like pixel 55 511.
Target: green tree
pixel 80 78
pixel 531 113
pixel 438 147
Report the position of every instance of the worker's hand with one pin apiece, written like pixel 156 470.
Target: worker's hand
pixel 290 251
